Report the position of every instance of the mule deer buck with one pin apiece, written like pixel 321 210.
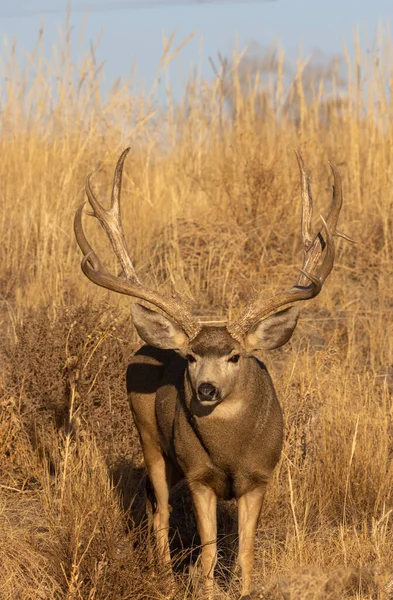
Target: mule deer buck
pixel 203 403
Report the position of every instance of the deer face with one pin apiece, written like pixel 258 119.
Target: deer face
pixel 214 363
pixel 215 358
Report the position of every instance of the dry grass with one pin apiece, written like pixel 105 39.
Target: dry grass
pixel 211 208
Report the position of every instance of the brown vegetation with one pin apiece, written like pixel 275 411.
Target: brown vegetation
pixel 211 209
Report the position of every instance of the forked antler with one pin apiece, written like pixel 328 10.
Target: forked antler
pixel 261 307
pixel 110 219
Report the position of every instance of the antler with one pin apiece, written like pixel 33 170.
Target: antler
pixel 130 285
pixel 311 277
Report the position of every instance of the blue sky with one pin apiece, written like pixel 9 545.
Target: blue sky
pixel 135 34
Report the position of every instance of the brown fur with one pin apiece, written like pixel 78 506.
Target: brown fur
pixel 222 452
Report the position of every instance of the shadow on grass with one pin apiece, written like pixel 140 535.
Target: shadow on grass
pixel 132 485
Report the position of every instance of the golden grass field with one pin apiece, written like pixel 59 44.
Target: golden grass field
pixel 211 208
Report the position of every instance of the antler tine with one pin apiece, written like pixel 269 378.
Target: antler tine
pixel 336 204
pixel 83 244
pixel 110 219
pixel 337 199
pixel 92 267
pixel 117 180
pixel 330 254
pixel 311 278
pixel 307 201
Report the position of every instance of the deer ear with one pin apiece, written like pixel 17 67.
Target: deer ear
pixel 157 330
pixel 273 332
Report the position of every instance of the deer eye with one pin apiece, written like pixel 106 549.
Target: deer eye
pixel 191 359
pixel 234 358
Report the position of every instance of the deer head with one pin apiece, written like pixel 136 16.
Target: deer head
pixel 214 354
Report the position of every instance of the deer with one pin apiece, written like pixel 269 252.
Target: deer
pixel 203 402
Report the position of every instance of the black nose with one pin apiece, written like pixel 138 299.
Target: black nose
pixel 207 391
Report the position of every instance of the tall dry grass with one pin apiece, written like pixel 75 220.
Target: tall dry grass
pixel 211 208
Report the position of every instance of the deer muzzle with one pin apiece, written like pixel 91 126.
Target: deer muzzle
pixel 207 392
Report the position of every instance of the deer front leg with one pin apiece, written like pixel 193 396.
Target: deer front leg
pixel 161 474
pixel 160 478
pixel 249 508
pixel 158 468
pixel 205 505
